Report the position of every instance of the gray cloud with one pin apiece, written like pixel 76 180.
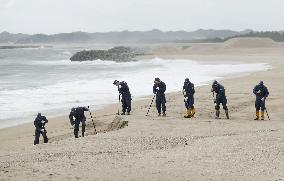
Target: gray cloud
pixel 54 16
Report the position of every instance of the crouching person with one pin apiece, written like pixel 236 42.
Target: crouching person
pixel 76 117
pixel 220 99
pixel 39 123
pixel 123 90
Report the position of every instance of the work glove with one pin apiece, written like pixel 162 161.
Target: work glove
pixel 42 130
pixel 42 122
pixel 263 99
pixel 157 88
pixel 185 99
pixel 183 92
pixel 258 92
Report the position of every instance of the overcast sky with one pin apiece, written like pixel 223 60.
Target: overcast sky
pixel 56 16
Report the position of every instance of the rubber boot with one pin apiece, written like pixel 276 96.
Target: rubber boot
pixel 262 115
pixel 123 113
pixel 36 141
pixel 227 114
pixel 192 112
pixel 83 129
pixel 45 139
pixel 159 114
pixel 76 134
pixel 188 113
pixel 217 114
pixel 256 115
pixel 164 114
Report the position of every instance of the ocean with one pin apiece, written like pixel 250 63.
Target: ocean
pixel 44 80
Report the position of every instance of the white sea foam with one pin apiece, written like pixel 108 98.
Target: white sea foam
pixel 93 85
pixel 72 63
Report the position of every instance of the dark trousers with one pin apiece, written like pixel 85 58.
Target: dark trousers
pixel 37 135
pixel 161 103
pixel 189 103
pixel 259 104
pixel 221 100
pixel 77 125
pixel 126 103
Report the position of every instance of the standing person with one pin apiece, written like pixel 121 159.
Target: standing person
pixel 123 90
pixel 188 92
pixel 220 99
pixel 159 89
pixel 39 123
pixel 261 93
pixel 76 117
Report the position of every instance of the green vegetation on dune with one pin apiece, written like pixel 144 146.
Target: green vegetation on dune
pixel 277 36
pixel 274 35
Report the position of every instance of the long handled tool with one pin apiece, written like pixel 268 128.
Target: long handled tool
pixel 118 104
pixel 267 114
pixel 150 105
pixel 92 120
pixel 214 100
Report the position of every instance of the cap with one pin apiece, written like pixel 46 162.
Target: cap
pixel 115 82
pixel 157 79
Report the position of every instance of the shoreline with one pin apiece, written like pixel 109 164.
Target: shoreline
pixel 59 114
pixel 140 98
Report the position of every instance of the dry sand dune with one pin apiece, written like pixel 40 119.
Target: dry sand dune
pixel 250 43
pixel 136 147
pixel 236 47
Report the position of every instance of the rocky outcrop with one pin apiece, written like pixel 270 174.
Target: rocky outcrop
pixel 119 54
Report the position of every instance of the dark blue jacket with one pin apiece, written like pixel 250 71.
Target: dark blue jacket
pixel 188 88
pixel 162 89
pixel 78 114
pixel 260 91
pixel 219 90
pixel 38 124
pixel 123 88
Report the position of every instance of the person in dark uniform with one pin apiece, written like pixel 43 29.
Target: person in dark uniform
pixel 188 92
pixel 123 90
pixel 159 89
pixel 39 123
pixel 220 99
pixel 261 93
pixel 76 117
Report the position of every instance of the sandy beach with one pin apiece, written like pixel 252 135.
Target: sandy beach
pixel 137 147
